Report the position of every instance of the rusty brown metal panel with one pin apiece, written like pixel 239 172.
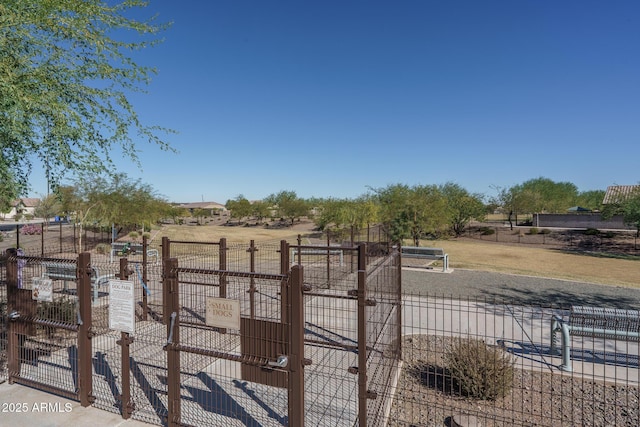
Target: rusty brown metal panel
pixel 297 360
pixel 85 332
pixel 263 339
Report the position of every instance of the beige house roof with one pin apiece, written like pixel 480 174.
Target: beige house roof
pixel 616 193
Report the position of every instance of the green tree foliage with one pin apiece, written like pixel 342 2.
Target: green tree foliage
pixel 48 207
pixel 240 207
pixel 462 206
pixel 66 75
pixel 591 199
pixel 412 212
pixel 119 200
pixel 289 205
pixel 545 195
pixel 338 214
pixel 629 207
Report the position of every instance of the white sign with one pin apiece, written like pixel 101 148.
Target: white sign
pixel 42 289
pixel 121 306
pixel 223 313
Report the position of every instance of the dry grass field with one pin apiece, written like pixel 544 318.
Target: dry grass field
pixel 540 261
pixel 463 253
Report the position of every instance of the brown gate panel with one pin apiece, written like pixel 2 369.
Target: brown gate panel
pixel 264 339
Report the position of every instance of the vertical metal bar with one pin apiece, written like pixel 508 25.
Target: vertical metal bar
pixel 42 241
pixel 296 349
pixel 299 249
pixel 329 261
pixel 166 255
pixel 222 265
pixel 398 286
pixel 252 287
pixel 170 282
pixel 284 288
pixel 60 239
pixel 222 259
pixel 145 260
pixel 362 336
pixel 85 331
pixel 17 236
pixel 126 405
pixel 13 339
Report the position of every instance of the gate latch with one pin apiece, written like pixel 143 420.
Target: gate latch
pixel 280 363
pixel 14 315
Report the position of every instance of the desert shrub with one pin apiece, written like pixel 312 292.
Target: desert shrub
pixel 487 231
pixel 591 232
pixel 534 230
pixel 147 235
pixel 545 231
pixel 61 310
pixel 103 248
pixel 134 234
pixel 479 371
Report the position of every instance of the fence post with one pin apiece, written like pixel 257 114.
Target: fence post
pixel 284 288
pixel 252 287
pixel 166 255
pixel 145 260
pixel 85 331
pixel 13 337
pixel 296 348
pixel 170 291
pixel 362 336
pixel 126 405
pixel 222 266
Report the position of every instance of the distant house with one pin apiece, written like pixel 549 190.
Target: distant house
pixel 617 193
pixel 26 206
pixel 212 207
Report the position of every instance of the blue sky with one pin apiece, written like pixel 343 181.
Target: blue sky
pixel 327 98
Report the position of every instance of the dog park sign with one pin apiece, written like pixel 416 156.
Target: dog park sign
pixel 223 313
pixel 121 306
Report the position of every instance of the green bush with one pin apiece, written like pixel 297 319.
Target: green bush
pixel 534 230
pixel 479 371
pixel 103 248
pixel 134 234
pixel 591 232
pixel 487 231
pixel 545 231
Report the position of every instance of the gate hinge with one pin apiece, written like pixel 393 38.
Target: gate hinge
pixel 371 302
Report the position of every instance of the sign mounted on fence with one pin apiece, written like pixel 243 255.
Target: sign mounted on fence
pixel 42 289
pixel 121 306
pixel 223 313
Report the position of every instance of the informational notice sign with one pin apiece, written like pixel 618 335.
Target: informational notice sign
pixel 121 306
pixel 223 313
pixel 42 289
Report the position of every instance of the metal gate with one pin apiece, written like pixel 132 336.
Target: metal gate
pixel 227 325
pixel 49 325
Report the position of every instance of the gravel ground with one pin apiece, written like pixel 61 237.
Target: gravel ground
pixel 470 284
pixel 425 396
